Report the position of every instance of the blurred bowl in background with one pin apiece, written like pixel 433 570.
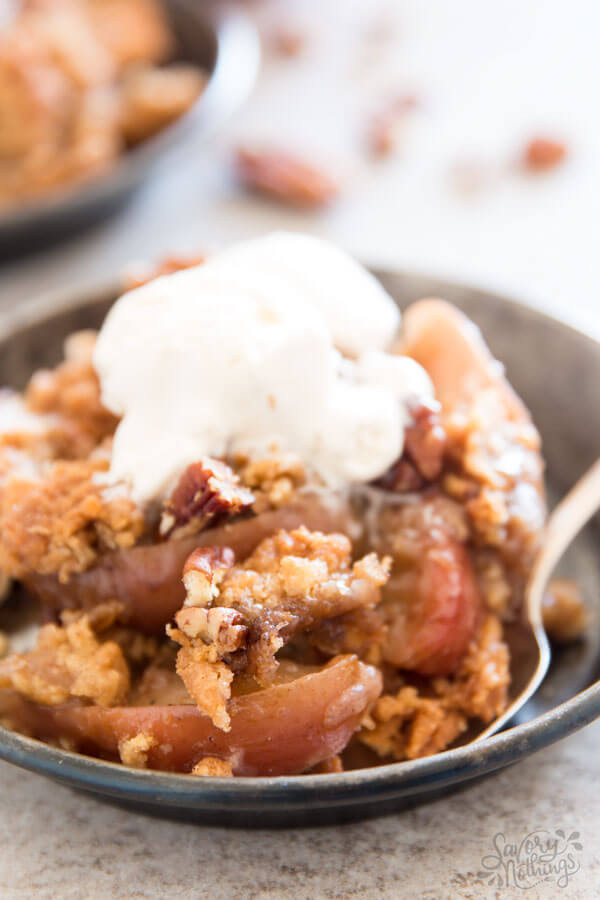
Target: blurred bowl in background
pixel 219 39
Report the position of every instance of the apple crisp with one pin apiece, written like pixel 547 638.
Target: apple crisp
pixel 253 619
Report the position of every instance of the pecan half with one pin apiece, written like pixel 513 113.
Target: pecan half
pixel 208 490
pixel 544 153
pixel 424 448
pixel 285 177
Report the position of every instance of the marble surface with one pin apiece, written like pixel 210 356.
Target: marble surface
pixel 490 76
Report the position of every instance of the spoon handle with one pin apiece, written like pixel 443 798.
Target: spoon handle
pixel 567 520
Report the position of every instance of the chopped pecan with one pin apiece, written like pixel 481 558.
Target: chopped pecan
pixel 287 41
pixel 423 456
pixel 425 440
pixel 203 572
pixel 386 125
pixel 207 491
pixel 284 177
pixel 544 153
pixel 291 582
pixel 167 266
pixel 221 627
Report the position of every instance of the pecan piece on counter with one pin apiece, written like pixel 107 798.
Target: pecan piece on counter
pixel 207 491
pixel 284 177
pixel 542 154
pixel 386 126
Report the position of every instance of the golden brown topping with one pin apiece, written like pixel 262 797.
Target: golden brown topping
pixel 543 153
pixel 410 724
pixel 273 479
pixel 208 491
pixel 212 765
pixel 203 573
pixel 205 676
pixel 221 627
pixel 134 751
pixel 60 523
pixel 71 391
pixel 291 582
pixel 65 663
pixel 564 612
pixel 132 30
pixel 152 98
pixel 286 178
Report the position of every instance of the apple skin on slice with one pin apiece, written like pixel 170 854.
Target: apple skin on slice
pixel 146 579
pixel 284 729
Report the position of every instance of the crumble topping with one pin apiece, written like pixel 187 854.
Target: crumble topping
pixel 212 765
pixel 71 392
pixel 134 751
pixel 60 523
pixel 419 722
pixel 290 583
pixel 68 662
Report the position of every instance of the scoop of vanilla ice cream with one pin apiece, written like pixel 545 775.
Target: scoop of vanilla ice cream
pixel 244 351
pixel 358 312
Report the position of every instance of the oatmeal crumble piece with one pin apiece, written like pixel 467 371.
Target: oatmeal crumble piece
pixel 412 723
pixel 273 480
pixel 152 98
pixel 60 523
pixel 207 492
pixel 495 470
pixel 212 765
pixel 68 663
pixel 71 391
pixel 134 751
pixel 290 583
pixel 564 612
pixel 4 644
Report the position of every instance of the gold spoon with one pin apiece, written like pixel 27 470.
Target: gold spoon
pixel 565 523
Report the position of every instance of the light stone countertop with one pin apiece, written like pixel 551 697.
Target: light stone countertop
pixel 60 844
pixel 490 76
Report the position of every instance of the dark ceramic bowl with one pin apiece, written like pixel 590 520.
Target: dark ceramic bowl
pixel 219 39
pixel 556 370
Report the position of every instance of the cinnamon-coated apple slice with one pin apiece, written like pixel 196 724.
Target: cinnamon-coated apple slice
pixel 282 730
pixel 146 579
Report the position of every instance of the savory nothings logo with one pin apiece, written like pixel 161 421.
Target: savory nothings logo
pixel 541 856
